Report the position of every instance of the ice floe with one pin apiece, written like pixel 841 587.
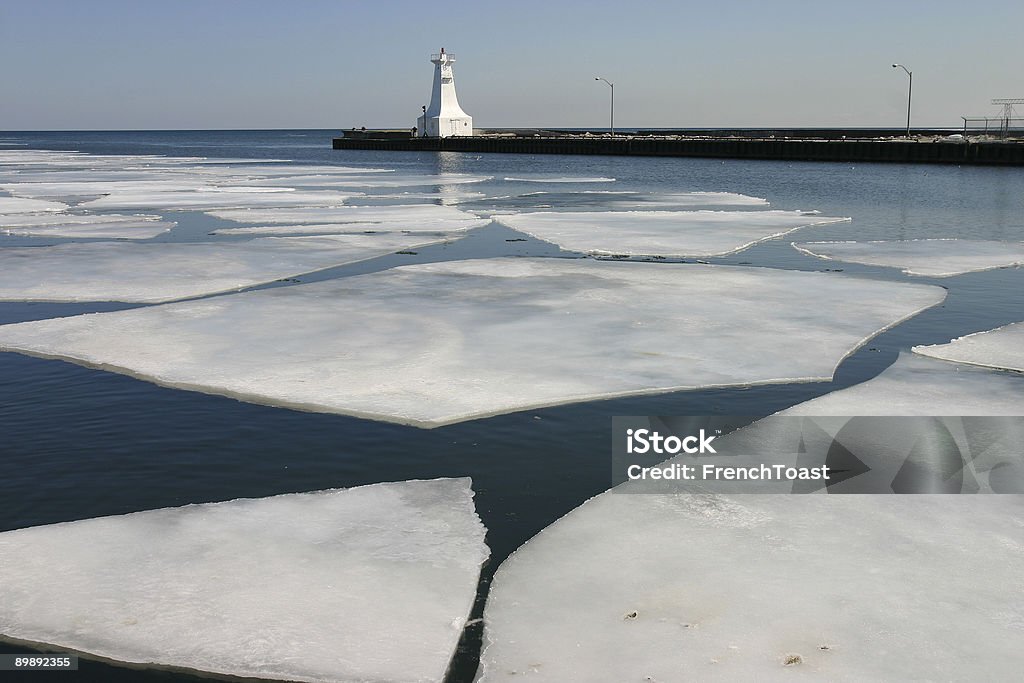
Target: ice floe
pixel 763 588
pixel 979 410
pixel 686 199
pixel 381 180
pixel 438 343
pixel 54 178
pixel 922 386
pixel 925 257
pixel 1002 348
pixel 120 227
pixel 150 273
pixel 641 586
pixel 560 179
pixel 46 220
pixel 16 205
pixel 216 198
pixel 90 188
pixel 408 213
pixel 660 233
pixel 260 171
pixel 368 583
pixel 617 200
pixel 443 193
pixel 431 226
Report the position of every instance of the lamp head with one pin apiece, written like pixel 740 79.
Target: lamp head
pixel 895 65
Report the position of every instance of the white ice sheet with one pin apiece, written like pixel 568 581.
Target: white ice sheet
pixel 929 258
pixel 48 220
pixel 155 272
pixel 561 179
pixel 925 387
pixel 689 199
pixel 215 198
pixel 381 180
pixel 114 229
pixel 439 343
pixel 777 587
pixel 369 583
pixel 261 170
pixel 98 186
pixel 660 233
pixel 411 213
pixel 431 226
pixel 1002 348
pixel 16 205
pixel 844 588
pixel 446 196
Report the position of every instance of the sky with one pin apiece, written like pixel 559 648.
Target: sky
pixel 191 64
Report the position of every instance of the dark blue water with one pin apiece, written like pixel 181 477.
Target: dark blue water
pixel 77 443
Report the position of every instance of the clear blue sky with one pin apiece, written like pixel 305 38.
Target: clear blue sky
pixel 112 64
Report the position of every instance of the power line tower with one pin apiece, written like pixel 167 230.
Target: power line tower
pixel 1007 105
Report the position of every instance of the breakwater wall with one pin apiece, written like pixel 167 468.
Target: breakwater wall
pixel 935 150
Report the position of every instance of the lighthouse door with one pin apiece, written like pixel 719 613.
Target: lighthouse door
pixel 455 127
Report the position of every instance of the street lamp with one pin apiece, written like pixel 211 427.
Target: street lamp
pixel 611 124
pixel 910 92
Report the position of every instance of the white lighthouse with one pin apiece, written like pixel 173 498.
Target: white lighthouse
pixel 444 117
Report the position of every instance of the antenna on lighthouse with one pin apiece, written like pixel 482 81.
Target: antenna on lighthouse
pixel 444 117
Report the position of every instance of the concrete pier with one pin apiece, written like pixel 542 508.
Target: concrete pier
pixel 937 149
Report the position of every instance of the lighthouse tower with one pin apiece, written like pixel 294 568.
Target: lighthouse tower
pixel 444 117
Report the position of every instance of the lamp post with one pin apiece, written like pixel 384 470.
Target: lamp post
pixel 611 124
pixel 910 92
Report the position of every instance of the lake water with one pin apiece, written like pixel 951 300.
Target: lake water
pixel 78 443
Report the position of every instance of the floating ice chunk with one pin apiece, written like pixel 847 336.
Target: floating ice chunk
pixel 9 205
pixel 408 180
pixel 34 156
pixel 926 387
pixel 447 226
pixel 971 426
pixel 410 213
pixel 929 257
pixel 121 187
pixel 439 343
pixel 114 229
pixel 1002 348
pixel 219 198
pixel 763 588
pixel 149 273
pixel 445 195
pixel 88 177
pixel 660 233
pixel 748 587
pixel 381 180
pixel 561 179
pixel 57 219
pixel 219 161
pixel 249 189
pixel 603 200
pixel 685 199
pixel 369 583
pixel 260 171
pixel 84 188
